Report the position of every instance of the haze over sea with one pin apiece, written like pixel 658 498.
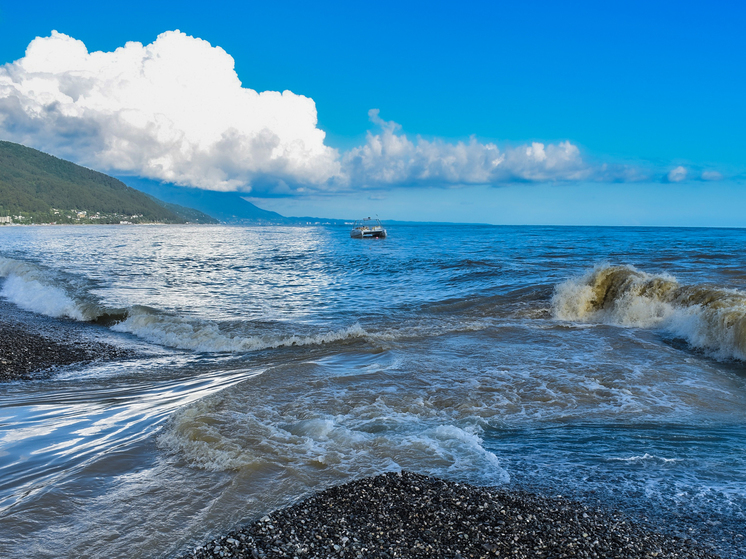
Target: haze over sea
pixel 604 364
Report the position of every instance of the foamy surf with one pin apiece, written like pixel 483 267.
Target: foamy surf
pixel 220 434
pixel 206 336
pixel 39 290
pixel 709 318
pixel 60 295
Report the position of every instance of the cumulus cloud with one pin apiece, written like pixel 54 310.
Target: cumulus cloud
pixel 677 175
pixel 176 111
pixel 173 110
pixel 390 157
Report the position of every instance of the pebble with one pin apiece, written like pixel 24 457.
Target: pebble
pixel 408 515
pixel 27 354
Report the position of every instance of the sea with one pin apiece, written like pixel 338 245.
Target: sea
pixel 603 364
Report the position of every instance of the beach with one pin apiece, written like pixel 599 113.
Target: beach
pixel 167 386
pixel 34 348
pixel 398 514
pixel 404 514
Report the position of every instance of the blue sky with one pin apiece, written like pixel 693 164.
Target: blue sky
pixel 625 95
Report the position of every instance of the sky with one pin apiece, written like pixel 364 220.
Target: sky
pixel 572 113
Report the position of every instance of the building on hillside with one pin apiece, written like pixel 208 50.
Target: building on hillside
pixel 6 219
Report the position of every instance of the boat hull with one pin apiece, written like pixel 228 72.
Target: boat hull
pixel 375 234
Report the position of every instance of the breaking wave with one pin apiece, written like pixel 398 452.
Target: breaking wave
pixel 709 318
pixel 43 291
pixel 207 336
pixel 51 293
pixel 57 294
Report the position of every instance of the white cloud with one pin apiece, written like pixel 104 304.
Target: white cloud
pixel 677 175
pixel 173 110
pixel 390 157
pixel 711 176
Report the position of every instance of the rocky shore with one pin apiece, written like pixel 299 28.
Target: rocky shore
pixel 410 515
pixel 28 352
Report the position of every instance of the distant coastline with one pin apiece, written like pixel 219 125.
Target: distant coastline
pixel 36 187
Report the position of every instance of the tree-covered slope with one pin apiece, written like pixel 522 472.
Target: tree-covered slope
pixel 44 188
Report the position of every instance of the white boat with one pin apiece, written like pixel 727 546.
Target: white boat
pixel 368 228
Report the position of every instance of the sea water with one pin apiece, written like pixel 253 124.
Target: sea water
pixel 603 364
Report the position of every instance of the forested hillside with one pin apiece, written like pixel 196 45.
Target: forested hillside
pixel 39 188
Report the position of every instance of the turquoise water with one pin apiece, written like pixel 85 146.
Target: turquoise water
pixel 606 364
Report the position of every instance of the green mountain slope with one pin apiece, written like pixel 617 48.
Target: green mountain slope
pixel 42 188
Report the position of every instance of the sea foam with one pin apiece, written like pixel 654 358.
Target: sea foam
pixel 35 289
pixel 220 433
pixel 709 318
pixel 206 336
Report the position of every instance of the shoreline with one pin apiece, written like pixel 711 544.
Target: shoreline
pixel 34 347
pixel 411 515
pixel 391 515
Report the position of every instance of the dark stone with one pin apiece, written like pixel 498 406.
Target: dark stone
pixel 394 515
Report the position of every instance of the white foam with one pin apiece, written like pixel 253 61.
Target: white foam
pixel 645 458
pixel 225 434
pixel 206 336
pixel 29 287
pixel 709 318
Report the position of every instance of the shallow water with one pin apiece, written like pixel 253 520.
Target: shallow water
pixel 600 363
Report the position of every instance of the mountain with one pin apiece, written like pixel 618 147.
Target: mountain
pixel 228 207
pixel 40 188
pixel 189 215
pixel 36 187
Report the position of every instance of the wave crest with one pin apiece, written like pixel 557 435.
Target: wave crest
pixel 39 290
pixel 709 318
pixel 206 336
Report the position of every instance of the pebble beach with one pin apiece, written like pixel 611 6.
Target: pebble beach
pixel 410 515
pixel 31 351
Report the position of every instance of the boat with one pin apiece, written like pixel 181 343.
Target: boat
pixel 368 228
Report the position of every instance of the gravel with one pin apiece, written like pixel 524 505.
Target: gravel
pixel 411 515
pixel 29 352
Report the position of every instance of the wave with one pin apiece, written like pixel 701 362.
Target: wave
pixel 238 432
pixel 44 291
pixel 207 336
pixel 57 294
pixel 53 293
pixel 709 318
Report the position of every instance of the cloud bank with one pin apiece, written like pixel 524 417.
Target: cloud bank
pixel 392 158
pixel 175 111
